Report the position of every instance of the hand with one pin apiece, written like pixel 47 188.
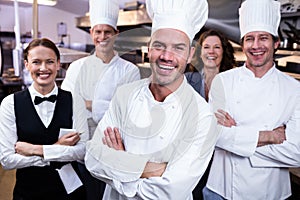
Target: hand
pixel 279 134
pixel 276 136
pixel 154 170
pixel 88 105
pixel 27 149
pixel 69 139
pixel 112 138
pixel 224 118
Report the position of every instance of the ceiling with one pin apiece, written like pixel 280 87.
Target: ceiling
pixel 78 7
pixel 223 14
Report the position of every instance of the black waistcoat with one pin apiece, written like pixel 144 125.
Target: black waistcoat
pixel 37 182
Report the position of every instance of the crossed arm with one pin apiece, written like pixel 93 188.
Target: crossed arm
pixel 275 136
pixel 112 138
pixel 28 149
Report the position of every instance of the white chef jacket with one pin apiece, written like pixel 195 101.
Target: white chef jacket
pixel 8 136
pixel 240 170
pixel 175 131
pixel 118 72
pixel 90 79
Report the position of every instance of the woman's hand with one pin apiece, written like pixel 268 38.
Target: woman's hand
pixel 27 149
pixel 69 139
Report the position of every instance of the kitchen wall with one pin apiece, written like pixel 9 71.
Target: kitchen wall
pixel 48 19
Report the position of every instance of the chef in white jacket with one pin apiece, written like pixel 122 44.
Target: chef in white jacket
pixel 258 110
pixel 94 79
pixel 154 142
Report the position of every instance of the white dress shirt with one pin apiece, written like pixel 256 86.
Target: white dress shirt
pixel 175 131
pixel 45 109
pixel 8 136
pixel 240 169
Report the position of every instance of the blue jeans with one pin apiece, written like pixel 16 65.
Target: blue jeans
pixel 210 195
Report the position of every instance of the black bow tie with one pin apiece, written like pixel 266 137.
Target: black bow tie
pixel 38 100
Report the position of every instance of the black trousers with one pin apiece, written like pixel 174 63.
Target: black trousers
pixel 78 194
pixel 94 187
pixel 197 192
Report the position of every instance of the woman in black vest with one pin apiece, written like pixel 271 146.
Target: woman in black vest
pixel 30 140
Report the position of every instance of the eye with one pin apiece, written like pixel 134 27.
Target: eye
pixel 179 48
pixel 264 38
pixel 108 33
pixel 35 62
pixel 158 46
pixel 248 39
pixel 50 62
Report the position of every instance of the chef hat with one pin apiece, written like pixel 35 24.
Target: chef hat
pixel 259 15
pixel 187 16
pixel 104 12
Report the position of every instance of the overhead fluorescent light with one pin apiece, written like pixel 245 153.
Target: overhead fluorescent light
pixel 40 2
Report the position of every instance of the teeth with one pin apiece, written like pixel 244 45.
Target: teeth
pixel 103 43
pixel 166 67
pixel 43 75
pixel 258 53
pixel 211 58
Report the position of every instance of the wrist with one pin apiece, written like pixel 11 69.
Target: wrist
pixel 37 150
pixel 265 137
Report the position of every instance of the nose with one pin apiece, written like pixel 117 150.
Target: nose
pixel 210 50
pixel 102 36
pixel 43 66
pixel 167 55
pixel 255 43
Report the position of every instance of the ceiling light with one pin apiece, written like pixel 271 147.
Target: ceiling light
pixel 40 2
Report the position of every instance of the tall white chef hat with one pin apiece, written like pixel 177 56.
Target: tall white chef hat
pixel 104 12
pixel 259 15
pixel 187 16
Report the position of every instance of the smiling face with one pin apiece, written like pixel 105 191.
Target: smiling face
pixel 42 63
pixel 169 53
pixel 103 37
pixel 258 47
pixel 212 52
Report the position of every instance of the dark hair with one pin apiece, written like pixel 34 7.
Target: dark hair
pixel 228 59
pixel 41 42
